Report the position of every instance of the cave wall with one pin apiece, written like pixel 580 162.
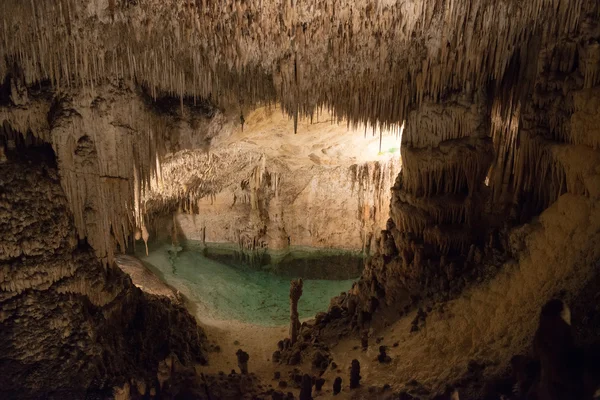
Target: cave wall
pixel 69 324
pixel 300 207
pixel 108 142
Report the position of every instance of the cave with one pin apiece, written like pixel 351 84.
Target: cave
pixel 300 200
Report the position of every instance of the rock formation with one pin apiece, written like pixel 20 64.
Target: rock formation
pixel 242 359
pixel 560 374
pixel 337 385
pixel 70 325
pixel 306 388
pixel 104 167
pixel 355 374
pixel 295 293
pixel 364 339
pixel 319 384
pixel 383 358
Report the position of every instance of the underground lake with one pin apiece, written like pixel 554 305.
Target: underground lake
pixel 222 285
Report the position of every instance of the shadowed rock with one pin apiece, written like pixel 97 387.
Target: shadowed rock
pixel 242 359
pixel 355 374
pixel 337 385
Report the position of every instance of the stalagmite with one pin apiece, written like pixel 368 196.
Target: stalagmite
pixel 295 293
pixel 145 237
pixel 174 233
pixel 337 385
pixel 306 388
pixel 355 374
pixel 242 360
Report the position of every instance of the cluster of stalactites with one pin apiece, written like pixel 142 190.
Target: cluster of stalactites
pixel 446 154
pixel 190 177
pixel 414 214
pixel 371 183
pixel 184 180
pixel 104 166
pixel 456 167
pixel 104 185
pixel 533 141
pixel 359 59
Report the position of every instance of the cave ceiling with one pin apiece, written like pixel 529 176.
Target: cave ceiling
pixel 367 61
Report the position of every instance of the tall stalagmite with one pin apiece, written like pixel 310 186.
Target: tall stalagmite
pixel 295 294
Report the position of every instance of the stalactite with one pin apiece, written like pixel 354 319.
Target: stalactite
pixel 371 183
pixel 225 55
pixel 338 64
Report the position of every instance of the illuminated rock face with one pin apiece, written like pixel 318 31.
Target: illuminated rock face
pixel 265 187
pixel 300 207
pixel 69 324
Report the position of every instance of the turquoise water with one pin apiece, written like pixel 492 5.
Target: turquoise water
pixel 225 292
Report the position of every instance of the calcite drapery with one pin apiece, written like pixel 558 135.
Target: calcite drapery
pixel 438 197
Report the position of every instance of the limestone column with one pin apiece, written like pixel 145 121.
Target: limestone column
pixel 437 200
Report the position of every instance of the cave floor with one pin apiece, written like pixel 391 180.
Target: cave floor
pixel 490 322
pixel 256 336
pixel 260 341
pixel 438 352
